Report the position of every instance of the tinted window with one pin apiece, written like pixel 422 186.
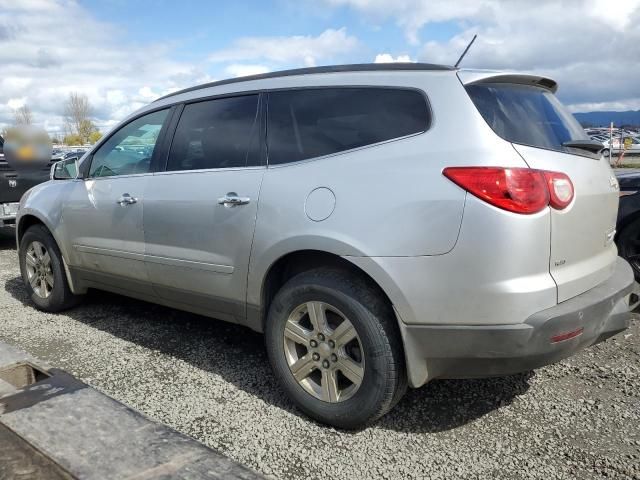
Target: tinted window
pixel 216 134
pixel 526 114
pixel 130 149
pixel 314 122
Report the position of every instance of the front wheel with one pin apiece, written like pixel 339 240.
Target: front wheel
pixel 42 271
pixel 334 346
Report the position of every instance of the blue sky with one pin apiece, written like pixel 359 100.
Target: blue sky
pixel 123 54
pixel 197 27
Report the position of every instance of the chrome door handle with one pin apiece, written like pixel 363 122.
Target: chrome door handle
pixel 126 199
pixel 232 199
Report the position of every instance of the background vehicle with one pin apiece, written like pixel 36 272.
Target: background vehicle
pixel 13 184
pixel 374 247
pixel 618 145
pixel 57 155
pixel 77 154
pixel 628 225
pixel 600 138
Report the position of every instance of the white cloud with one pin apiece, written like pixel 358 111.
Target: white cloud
pixel 305 49
pixel 388 58
pixel 15 103
pixel 41 64
pixel 240 70
pixel 147 93
pixel 629 104
pixel 589 46
pixel 412 15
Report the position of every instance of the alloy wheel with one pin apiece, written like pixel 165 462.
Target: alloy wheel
pixel 39 272
pixel 324 352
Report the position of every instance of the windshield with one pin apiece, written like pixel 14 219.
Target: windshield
pixel 526 115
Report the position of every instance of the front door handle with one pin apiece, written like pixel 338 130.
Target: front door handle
pixel 232 199
pixel 126 199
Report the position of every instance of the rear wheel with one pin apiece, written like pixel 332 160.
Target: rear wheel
pixel 334 346
pixel 629 246
pixel 42 271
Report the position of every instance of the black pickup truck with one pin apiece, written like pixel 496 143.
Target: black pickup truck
pixel 14 183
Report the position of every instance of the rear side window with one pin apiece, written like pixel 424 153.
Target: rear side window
pixel 220 133
pixel 309 123
pixel 526 114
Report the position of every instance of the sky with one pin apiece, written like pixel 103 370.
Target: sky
pixel 125 53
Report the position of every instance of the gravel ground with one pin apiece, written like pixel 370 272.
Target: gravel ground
pixel 212 381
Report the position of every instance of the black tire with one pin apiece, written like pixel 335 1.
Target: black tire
pixel 628 242
pixel 61 297
pixel 384 380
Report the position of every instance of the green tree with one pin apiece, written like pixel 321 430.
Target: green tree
pixel 76 111
pixel 95 136
pixel 72 139
pixel 85 129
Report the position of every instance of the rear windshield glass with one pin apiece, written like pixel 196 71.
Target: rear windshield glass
pixel 526 115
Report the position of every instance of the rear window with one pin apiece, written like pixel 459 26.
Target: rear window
pixel 526 114
pixel 310 123
pixel 217 133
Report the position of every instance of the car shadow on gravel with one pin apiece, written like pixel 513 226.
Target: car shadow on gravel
pixel 231 351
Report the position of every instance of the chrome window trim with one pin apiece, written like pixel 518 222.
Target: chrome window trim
pixel 208 170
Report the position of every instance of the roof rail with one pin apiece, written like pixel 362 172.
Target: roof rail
pixel 355 67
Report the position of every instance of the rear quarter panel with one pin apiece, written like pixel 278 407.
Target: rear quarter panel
pixel 391 199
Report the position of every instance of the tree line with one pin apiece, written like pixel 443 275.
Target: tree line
pixel 79 129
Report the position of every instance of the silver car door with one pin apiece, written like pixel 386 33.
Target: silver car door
pixel 200 213
pixel 104 212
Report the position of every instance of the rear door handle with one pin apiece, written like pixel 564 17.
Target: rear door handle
pixel 232 199
pixel 126 199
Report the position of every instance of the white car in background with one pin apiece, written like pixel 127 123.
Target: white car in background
pixel 616 146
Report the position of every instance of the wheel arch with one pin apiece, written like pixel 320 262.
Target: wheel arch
pixel 27 221
pixel 292 263
pixel 30 219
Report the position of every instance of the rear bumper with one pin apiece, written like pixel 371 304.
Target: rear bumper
pixel 466 351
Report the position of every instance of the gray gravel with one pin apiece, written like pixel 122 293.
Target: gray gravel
pixel 211 380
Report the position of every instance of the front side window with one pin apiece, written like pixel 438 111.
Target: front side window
pixel 311 123
pixel 130 149
pixel 219 133
pixel 526 114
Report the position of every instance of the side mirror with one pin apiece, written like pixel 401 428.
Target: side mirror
pixel 65 170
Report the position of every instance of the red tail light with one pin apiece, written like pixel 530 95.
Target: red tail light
pixel 519 190
pixel 560 189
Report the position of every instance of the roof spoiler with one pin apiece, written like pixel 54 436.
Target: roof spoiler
pixel 473 77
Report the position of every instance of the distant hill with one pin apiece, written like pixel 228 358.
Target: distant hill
pixel 603 119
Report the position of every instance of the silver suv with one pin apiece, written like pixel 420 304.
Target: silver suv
pixel 382 225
